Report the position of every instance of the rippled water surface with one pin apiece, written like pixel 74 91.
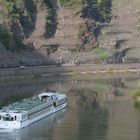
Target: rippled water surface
pixel 101 109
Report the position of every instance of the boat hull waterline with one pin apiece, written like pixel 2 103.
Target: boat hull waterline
pixel 42 106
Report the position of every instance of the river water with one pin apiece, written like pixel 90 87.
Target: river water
pixel 98 109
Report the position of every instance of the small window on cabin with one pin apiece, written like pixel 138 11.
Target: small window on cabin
pixel 15 117
pixel 54 103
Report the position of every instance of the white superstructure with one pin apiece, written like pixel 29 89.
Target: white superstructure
pixel 23 113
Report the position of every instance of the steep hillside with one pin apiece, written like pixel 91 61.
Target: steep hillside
pixel 23 23
pixel 122 33
pixel 18 19
pixel 38 32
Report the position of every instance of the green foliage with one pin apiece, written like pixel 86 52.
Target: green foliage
pixel 12 9
pixel 24 12
pixel 64 2
pixel 26 21
pixel 48 3
pixel 137 104
pixel 99 50
pixel 94 12
pixel 82 29
pixel 4 36
pixel 136 96
pixel 104 7
pixel 87 34
pixel 36 76
pixel 136 93
pixel 99 10
pixel 101 53
pixel 75 5
pixel 20 19
pixel 50 20
pixel 27 16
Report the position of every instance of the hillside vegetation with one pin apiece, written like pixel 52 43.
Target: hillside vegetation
pixel 94 13
pixel 19 19
pixel 92 31
pixel 99 10
pixel 19 16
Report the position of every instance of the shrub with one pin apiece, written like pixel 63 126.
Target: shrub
pixel 4 36
pixel 64 2
pixel 36 76
pixel 50 20
pixel 136 93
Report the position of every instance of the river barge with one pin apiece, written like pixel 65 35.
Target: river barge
pixel 27 111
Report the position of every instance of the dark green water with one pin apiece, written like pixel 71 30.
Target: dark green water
pixel 97 109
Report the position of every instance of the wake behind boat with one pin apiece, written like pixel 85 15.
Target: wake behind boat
pixel 23 113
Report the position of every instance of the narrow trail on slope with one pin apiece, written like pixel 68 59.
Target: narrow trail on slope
pixel 66 34
pixel 67 28
pixel 37 36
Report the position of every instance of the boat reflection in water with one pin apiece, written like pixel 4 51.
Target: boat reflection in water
pixel 36 130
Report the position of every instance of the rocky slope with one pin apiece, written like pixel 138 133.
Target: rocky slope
pixel 39 32
pixel 123 33
pixel 23 23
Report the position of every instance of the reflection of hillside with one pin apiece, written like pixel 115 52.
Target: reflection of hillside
pixel 94 93
pixel 108 89
pixel 100 116
pixel 84 97
pixel 86 119
pixel 123 120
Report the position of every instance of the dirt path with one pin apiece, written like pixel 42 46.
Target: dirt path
pixel 66 34
pixel 67 28
pixel 92 70
pixel 37 36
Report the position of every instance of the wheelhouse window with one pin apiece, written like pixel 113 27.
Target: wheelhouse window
pixel 15 118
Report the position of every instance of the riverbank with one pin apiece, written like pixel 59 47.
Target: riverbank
pixel 71 70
